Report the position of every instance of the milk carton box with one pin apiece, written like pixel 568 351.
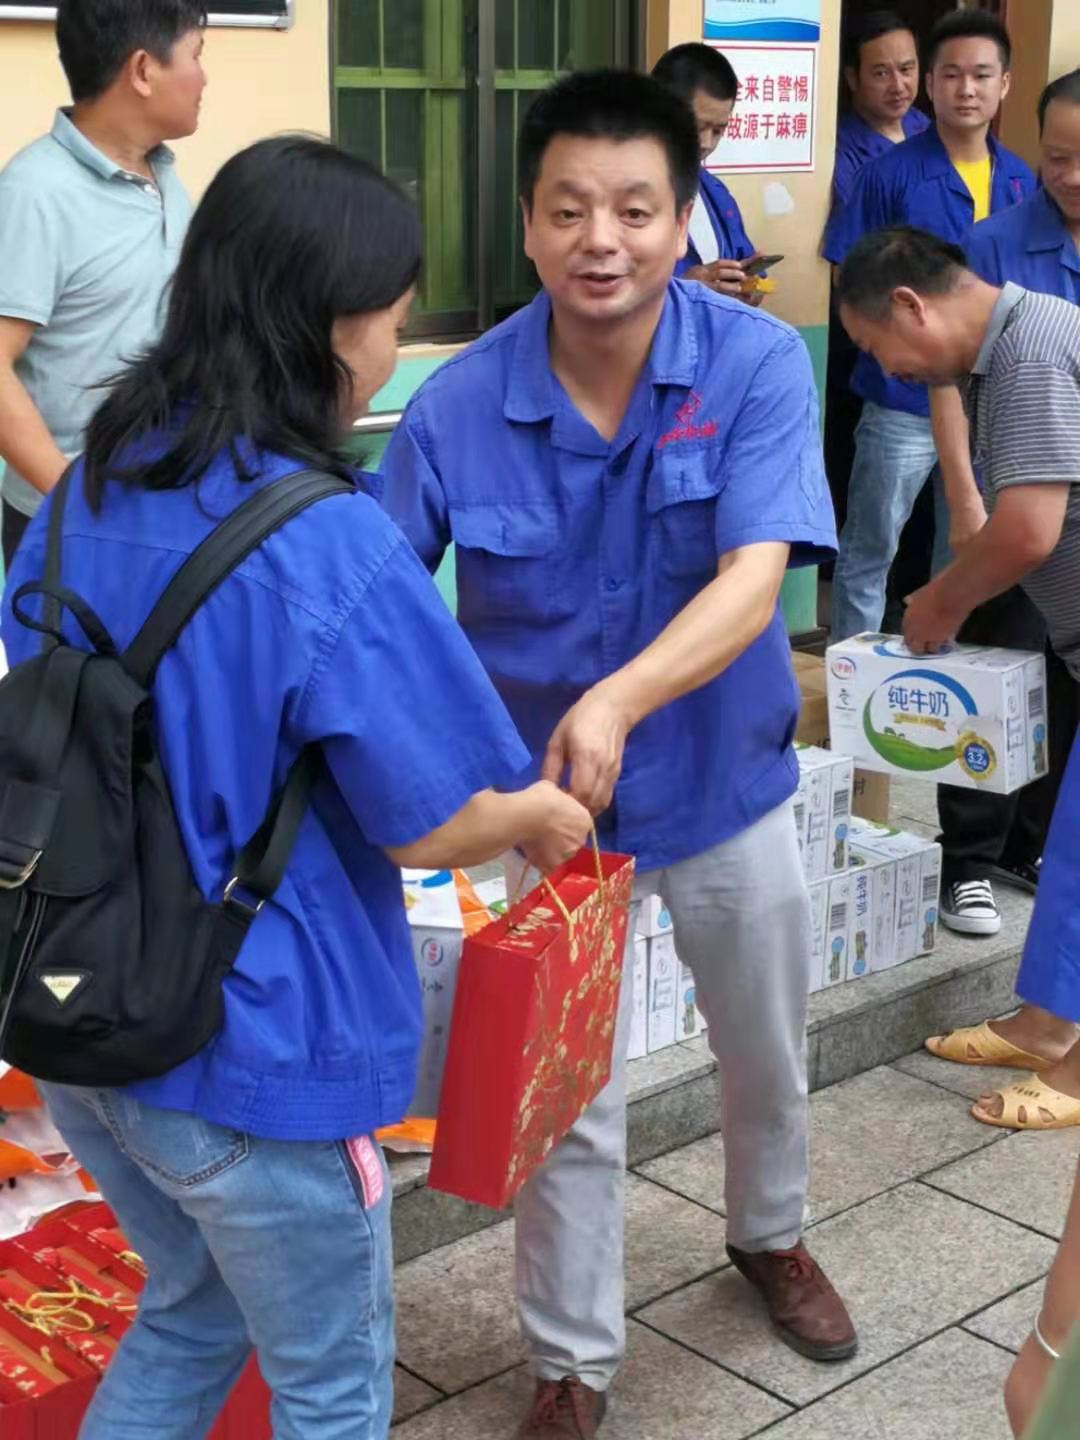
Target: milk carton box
pixel 823 810
pixel 437 932
pixel 1035 695
pixel 653 917
pixel 639 1013
pixel 861 941
pixel 959 717
pixel 663 980
pixel 837 931
pixel 918 883
pixel 688 1018
pixel 819 923
pixel 882 873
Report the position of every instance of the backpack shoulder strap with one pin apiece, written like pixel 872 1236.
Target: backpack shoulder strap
pixel 218 555
pixel 51 608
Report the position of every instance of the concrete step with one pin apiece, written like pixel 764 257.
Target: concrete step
pixel 852 1028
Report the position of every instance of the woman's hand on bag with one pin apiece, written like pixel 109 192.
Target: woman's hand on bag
pixel 562 827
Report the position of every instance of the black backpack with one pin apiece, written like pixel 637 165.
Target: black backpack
pixel 111 961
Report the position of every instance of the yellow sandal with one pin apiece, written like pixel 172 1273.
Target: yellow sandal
pixel 979 1045
pixel 1031 1105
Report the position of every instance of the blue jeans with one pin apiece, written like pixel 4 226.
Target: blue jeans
pixel 894 458
pixel 283 1246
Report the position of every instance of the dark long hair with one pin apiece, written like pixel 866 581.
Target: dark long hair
pixel 291 235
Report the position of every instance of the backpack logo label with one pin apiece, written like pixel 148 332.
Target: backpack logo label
pixel 62 987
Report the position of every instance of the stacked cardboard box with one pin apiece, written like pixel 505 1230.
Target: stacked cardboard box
pixel 973 716
pixel 870 792
pixel 665 1009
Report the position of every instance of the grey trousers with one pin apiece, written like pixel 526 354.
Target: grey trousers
pixel 741 919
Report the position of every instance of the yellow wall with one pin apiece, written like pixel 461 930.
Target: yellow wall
pixel 802 296
pixel 1046 44
pixel 261 82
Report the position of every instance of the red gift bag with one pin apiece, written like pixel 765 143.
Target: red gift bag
pixel 532 1028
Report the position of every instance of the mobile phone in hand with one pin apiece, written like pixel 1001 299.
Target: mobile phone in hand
pixel 760 263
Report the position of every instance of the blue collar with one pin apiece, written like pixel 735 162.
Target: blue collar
pixel 66 133
pixel 1047 231
pixel 532 392
pixel 936 162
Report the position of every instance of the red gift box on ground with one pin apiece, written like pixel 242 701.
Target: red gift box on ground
pixel 532 1029
pixel 100 1261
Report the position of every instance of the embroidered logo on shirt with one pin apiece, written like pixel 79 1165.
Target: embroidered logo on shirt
pixel 368 1167
pixel 686 428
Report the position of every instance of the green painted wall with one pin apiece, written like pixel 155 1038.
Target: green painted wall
pixel 799 595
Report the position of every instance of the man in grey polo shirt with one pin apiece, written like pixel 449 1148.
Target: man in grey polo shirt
pixel 909 300
pixel 92 217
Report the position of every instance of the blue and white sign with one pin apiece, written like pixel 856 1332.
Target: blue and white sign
pixel 776 22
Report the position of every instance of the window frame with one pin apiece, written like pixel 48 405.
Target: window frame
pixel 447 326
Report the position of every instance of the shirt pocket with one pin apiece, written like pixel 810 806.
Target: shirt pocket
pixel 508 562
pixel 681 498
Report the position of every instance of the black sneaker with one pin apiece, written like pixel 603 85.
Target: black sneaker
pixel 1022 874
pixel 969 908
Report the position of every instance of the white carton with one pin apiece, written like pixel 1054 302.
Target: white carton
pixel 689 1020
pixel 653 917
pixel 492 893
pixel 918 882
pixel 1035 693
pixel 639 1024
pixel 837 931
pixel 823 810
pixel 434 915
pixel 663 976
pixel 882 872
pixel 959 718
pixel 819 922
pixel 861 940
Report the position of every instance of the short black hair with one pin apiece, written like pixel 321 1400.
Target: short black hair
pixel 688 68
pixel 884 260
pixel 97 37
pixel 969 25
pixel 1065 87
pixel 867 28
pixel 291 235
pixel 611 105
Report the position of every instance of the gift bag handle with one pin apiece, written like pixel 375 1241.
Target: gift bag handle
pixel 554 894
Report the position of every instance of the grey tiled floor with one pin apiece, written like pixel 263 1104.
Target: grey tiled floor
pixel 938 1230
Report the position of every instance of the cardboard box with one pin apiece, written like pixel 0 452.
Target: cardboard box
pixel 881 953
pixel 819 924
pixel 639 1025
pixel 1035 692
pixel 653 918
pixel 837 931
pixel 918 882
pixel 861 939
pixel 689 1020
pixel 870 796
pixel 959 718
pixel 823 810
pixel 663 980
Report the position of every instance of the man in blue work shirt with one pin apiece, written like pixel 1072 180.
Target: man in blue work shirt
pixel 626 469
pixel 943 180
pixel 881 70
pixel 717 245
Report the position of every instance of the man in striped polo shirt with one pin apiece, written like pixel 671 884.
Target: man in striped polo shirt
pixel 909 300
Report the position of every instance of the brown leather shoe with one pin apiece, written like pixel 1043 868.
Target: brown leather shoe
pixel 563 1409
pixel 805 1310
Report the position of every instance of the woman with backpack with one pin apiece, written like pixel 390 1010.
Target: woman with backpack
pixel 246 1175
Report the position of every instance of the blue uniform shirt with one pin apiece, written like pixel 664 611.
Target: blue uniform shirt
pixel 574 552
pixel 916 184
pixel 727 223
pixel 1029 244
pixel 857 143
pixel 331 631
